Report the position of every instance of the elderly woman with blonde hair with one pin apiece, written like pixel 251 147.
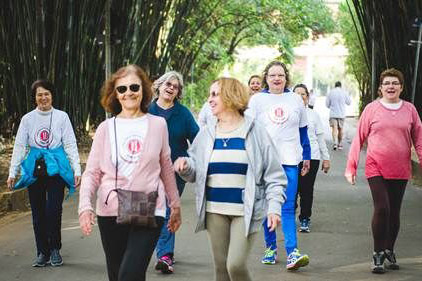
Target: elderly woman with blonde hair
pixel 238 179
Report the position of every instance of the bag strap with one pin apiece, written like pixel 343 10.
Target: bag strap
pixel 117 162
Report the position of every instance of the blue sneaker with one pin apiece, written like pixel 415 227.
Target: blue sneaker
pixel 304 225
pixel 56 258
pixel 270 256
pixel 296 260
pixel 40 261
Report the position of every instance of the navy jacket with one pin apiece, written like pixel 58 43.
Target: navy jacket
pixel 181 126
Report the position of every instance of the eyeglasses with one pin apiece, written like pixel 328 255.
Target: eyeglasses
pixel 272 76
pixel 394 83
pixel 175 86
pixel 133 87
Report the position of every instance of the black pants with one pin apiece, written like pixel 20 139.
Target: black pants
pixel 305 189
pixel 128 249
pixel 387 196
pixel 46 198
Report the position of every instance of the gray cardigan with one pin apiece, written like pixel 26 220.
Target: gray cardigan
pixel 265 177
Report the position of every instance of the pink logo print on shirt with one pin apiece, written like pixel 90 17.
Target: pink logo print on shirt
pixel 43 137
pixel 278 114
pixel 132 148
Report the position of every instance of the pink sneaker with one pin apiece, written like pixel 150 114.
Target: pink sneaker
pixel 165 264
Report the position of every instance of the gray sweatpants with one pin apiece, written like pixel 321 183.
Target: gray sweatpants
pixel 230 248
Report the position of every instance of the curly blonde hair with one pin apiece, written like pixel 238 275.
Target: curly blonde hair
pixel 233 93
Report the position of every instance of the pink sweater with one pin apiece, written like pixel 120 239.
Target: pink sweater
pixel 155 169
pixel 389 134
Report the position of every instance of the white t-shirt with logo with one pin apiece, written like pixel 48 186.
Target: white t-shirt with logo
pixel 35 131
pixel 282 116
pixel 131 134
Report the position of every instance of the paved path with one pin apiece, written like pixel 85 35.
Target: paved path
pixel 339 245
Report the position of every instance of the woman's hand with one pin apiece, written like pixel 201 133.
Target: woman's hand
pixel 305 167
pixel 86 221
pixel 273 220
pixel 77 181
pixel 351 178
pixel 10 183
pixel 180 165
pixel 175 219
pixel 325 165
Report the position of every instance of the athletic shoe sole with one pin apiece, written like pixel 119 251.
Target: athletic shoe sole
pixel 56 264
pixel 268 262
pixel 39 265
pixel 164 267
pixel 301 262
pixel 378 270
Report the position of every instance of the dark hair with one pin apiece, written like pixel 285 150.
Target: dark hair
pixel 392 72
pixel 302 86
pixel 337 84
pixel 254 76
pixel 42 83
pixel 109 99
pixel 265 73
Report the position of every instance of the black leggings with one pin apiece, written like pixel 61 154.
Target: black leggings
pixel 305 189
pixel 128 249
pixel 387 196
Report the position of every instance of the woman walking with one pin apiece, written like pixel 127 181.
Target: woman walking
pixel 389 126
pixel 318 150
pixel 46 169
pixel 284 116
pixel 130 152
pixel 182 128
pixel 237 177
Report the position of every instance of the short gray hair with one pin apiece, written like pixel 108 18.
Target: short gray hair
pixel 171 75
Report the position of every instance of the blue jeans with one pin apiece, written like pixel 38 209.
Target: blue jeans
pixel 46 198
pixel 287 214
pixel 165 245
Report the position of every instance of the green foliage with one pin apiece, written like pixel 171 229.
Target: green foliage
pixel 64 40
pixel 387 27
pixel 356 62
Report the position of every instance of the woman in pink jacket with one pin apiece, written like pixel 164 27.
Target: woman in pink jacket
pixel 143 164
pixel 389 126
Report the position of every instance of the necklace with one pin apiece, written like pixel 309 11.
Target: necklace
pixel 225 141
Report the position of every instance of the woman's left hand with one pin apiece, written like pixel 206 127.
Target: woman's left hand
pixel 77 181
pixel 305 167
pixel 273 220
pixel 175 219
pixel 325 165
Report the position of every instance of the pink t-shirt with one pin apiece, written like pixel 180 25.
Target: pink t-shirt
pixel 389 134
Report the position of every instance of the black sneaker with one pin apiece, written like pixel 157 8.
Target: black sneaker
pixel 56 258
pixel 378 266
pixel 40 261
pixel 305 225
pixel 390 261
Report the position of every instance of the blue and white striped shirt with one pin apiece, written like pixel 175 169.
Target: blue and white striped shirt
pixel 226 175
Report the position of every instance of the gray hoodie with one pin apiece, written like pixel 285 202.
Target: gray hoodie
pixel 265 177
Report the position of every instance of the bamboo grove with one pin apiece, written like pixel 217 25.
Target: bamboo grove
pixel 387 25
pixel 63 41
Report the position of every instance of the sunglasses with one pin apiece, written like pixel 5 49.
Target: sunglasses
pixel 133 87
